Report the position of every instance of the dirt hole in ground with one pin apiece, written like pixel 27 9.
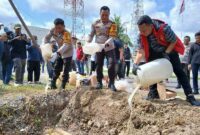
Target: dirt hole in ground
pixel 91 112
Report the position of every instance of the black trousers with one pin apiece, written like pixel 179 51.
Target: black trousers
pixel 195 70
pixel 182 77
pixel 185 69
pixel 33 67
pixel 120 69
pixel 110 55
pixel 127 68
pixel 73 65
pixel 92 67
pixel 62 65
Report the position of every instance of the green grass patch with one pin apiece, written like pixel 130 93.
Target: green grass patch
pixel 24 89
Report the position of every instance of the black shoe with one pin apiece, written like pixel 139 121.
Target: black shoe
pixel 53 85
pixel 178 86
pixel 191 99
pixel 112 87
pixel 62 87
pixel 109 85
pixel 196 92
pixel 152 95
pixel 99 86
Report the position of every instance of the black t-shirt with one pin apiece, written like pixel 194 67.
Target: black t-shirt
pixel 18 48
pixel 118 45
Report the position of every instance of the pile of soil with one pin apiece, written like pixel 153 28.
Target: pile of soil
pixel 92 112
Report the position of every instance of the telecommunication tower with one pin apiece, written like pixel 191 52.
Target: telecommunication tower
pixel 138 11
pixel 74 11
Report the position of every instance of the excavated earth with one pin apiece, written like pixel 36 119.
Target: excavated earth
pixel 92 112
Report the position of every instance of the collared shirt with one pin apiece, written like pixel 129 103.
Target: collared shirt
pixel 102 32
pixel 65 47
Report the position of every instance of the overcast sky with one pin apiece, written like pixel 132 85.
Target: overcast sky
pixel 42 12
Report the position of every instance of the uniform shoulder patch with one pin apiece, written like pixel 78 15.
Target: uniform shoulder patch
pixel 67 37
pixel 113 30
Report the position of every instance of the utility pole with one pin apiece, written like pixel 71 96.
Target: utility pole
pixel 22 21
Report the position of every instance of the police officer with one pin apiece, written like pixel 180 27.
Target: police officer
pixel 157 40
pixel 104 30
pixel 64 52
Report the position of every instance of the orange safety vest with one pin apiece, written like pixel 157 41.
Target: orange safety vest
pixel 160 36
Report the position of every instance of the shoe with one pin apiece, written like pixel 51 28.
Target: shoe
pixel 53 85
pixel 62 86
pixel 196 92
pixel 37 82
pixel 29 82
pixel 113 88
pixel 99 86
pixel 109 85
pixel 17 84
pixel 191 99
pixel 153 94
pixel 178 86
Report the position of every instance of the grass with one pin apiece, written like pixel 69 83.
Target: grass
pixel 25 90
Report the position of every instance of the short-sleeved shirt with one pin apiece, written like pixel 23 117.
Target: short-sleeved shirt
pixel 118 45
pixel 65 48
pixel 102 32
pixel 154 46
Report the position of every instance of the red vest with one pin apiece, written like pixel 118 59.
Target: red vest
pixel 160 36
pixel 79 53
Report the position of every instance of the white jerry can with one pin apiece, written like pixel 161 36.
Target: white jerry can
pixel 154 72
pixel 92 48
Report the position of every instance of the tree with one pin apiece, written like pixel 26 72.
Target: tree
pixel 121 31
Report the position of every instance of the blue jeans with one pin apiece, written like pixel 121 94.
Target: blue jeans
pixel 50 69
pixel 195 68
pixel 1 71
pixel 7 71
pixel 1 53
pixel 80 66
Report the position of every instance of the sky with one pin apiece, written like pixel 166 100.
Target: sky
pixel 41 13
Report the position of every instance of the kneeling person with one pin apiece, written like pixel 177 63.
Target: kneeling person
pixel 157 40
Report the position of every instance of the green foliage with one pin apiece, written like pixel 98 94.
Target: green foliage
pixel 121 31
